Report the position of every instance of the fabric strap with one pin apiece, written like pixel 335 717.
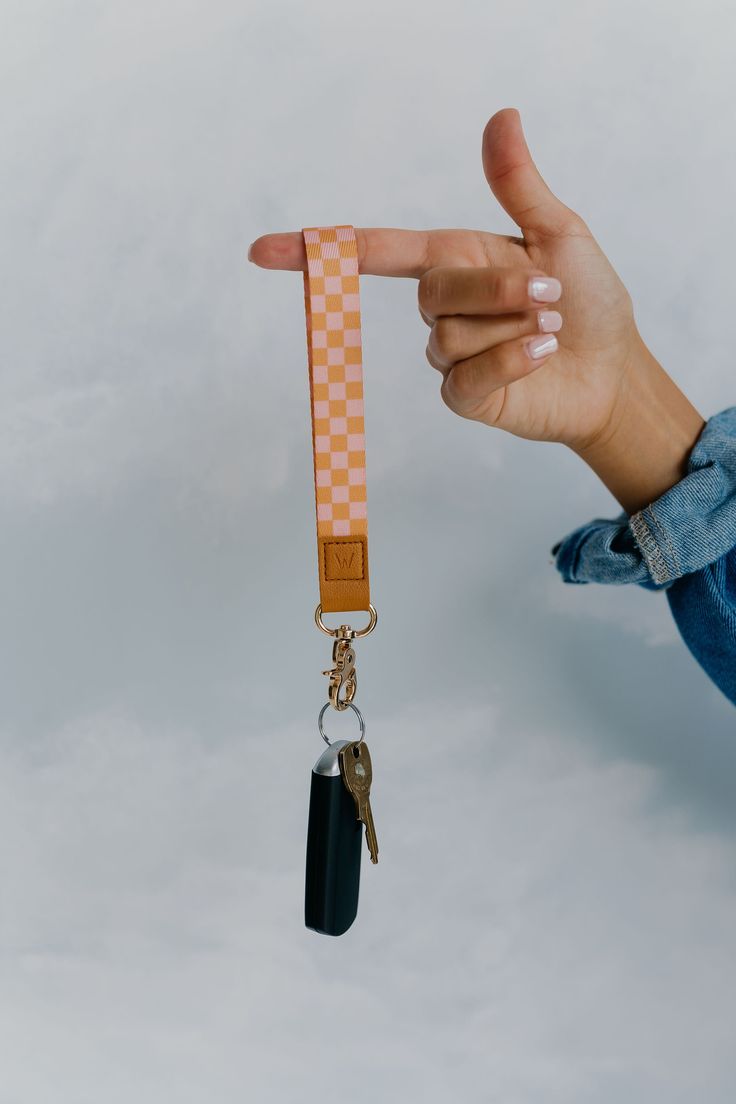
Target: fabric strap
pixel 332 308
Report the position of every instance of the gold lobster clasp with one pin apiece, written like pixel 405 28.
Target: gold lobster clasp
pixel 343 677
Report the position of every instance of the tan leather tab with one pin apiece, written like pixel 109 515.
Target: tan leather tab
pixel 343 573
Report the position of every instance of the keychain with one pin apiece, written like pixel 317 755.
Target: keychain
pixel 339 801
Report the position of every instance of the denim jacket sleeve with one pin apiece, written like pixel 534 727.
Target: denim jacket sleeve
pixel 684 543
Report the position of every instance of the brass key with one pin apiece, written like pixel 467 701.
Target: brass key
pixel 357 774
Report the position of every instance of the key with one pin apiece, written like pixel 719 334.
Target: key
pixel 357 774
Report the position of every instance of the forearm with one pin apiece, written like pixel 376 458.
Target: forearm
pixel 644 450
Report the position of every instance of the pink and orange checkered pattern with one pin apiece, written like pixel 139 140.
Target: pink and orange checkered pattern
pixel 332 307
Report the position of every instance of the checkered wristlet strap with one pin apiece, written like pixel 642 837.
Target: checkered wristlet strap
pixel 332 307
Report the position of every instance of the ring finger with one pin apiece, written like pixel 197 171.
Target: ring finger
pixel 456 337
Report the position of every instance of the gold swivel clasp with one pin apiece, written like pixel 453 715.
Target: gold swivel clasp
pixel 342 674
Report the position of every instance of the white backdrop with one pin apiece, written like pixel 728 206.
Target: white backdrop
pixel 554 916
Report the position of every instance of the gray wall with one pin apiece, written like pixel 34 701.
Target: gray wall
pixel 554 915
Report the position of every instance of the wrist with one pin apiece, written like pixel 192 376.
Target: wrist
pixel 644 446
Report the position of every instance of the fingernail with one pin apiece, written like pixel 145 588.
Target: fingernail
pixel 545 289
pixel 549 321
pixel 541 346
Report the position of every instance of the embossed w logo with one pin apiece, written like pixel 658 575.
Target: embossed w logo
pixel 343 560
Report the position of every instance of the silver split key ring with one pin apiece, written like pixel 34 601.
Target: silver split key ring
pixel 355 710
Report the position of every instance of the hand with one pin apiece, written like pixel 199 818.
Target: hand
pixel 473 294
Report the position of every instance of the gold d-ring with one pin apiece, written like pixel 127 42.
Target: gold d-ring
pixel 354 633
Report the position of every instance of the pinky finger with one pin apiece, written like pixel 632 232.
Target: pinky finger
pixel 468 386
pixel 541 346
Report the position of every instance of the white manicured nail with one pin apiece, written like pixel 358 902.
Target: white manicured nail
pixel 545 289
pixel 541 346
pixel 549 321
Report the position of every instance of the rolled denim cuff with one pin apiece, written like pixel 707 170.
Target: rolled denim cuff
pixel 691 525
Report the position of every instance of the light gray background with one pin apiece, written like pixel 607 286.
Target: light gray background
pixel 554 914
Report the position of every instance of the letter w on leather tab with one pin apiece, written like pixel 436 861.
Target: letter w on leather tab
pixel 343 560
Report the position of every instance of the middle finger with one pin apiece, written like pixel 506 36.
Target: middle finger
pixel 484 291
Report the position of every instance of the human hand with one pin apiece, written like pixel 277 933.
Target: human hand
pixel 473 294
pixel 600 391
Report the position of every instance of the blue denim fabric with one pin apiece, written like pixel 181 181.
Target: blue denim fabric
pixel 685 543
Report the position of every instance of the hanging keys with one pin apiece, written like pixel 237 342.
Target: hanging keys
pixel 357 774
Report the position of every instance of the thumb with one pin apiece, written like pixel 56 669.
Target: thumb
pixel 517 183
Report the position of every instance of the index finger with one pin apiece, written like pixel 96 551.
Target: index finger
pixel 381 252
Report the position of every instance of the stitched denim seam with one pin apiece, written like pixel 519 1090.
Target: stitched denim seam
pixel 649 548
pixel 667 540
pixel 576 559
